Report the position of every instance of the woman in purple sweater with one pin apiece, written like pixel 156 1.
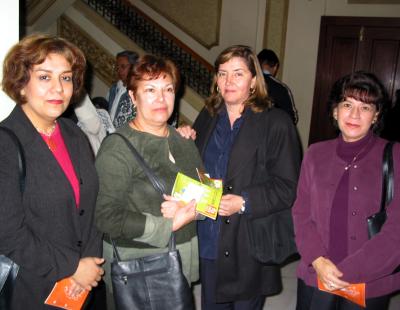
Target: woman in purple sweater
pixel 340 186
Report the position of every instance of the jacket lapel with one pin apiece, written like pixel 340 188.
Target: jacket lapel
pixel 41 155
pixel 245 145
pixel 72 145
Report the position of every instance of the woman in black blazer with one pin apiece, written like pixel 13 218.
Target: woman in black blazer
pixel 47 229
pixel 255 150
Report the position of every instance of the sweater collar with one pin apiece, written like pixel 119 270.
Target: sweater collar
pixel 351 151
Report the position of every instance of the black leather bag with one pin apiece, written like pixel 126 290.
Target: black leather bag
pixel 8 268
pixel 376 221
pixel 154 282
pixel 271 238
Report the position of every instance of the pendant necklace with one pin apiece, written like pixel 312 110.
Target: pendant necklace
pixel 48 137
pixel 356 156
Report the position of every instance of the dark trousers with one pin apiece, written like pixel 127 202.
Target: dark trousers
pixel 208 272
pixel 311 298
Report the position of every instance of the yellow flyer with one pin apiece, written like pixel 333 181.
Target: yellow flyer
pixel 207 194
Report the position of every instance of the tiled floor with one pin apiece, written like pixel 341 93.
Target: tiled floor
pixel 287 299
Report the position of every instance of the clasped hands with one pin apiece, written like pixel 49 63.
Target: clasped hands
pixel 329 274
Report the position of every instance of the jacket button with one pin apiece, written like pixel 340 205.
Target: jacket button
pixel 229 187
pixel 353 213
pixel 81 212
pixel 355 188
pixel 79 243
pixel 227 221
pixel 226 253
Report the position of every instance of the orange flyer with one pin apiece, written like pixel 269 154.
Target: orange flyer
pixel 354 292
pixel 59 297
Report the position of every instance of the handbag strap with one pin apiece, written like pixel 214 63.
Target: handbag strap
pixel 155 181
pixel 20 156
pixel 387 176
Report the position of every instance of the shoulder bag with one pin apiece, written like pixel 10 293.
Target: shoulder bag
pixel 153 282
pixel 271 238
pixel 376 221
pixel 9 269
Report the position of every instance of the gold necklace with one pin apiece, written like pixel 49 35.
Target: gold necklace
pixel 48 136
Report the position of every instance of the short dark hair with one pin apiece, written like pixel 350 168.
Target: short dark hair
pixel 150 67
pixel 362 86
pixel 33 50
pixel 268 57
pixel 132 56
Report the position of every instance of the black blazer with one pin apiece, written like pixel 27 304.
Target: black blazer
pixel 42 230
pixel 281 96
pixel 264 162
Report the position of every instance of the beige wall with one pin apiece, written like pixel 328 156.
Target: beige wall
pixel 9 16
pixel 242 22
pixel 302 46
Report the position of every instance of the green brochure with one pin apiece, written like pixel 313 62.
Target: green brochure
pixel 207 194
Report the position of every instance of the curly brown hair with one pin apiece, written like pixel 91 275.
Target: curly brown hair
pixel 33 50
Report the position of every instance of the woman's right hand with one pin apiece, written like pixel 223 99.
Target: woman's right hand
pixel 89 272
pixel 187 132
pixel 184 215
pixel 329 274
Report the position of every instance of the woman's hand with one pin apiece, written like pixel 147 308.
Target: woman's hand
pixel 89 272
pixel 329 274
pixel 74 289
pixel 230 204
pixel 187 132
pixel 170 206
pixel 184 215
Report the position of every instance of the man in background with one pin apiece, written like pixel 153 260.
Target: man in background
pixel 279 92
pixel 120 105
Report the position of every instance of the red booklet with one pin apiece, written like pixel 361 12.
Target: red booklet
pixel 354 292
pixel 59 297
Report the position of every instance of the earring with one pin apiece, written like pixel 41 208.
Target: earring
pixel 252 90
pixel 217 89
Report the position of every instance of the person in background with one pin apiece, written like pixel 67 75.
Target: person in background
pixel 129 209
pixel 89 120
pixel 279 92
pixel 254 149
pixel 48 229
pixel 340 186
pixel 101 105
pixel 120 105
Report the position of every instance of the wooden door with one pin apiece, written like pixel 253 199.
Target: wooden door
pixel 348 44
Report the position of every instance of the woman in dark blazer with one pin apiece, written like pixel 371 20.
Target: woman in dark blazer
pixel 47 229
pixel 255 150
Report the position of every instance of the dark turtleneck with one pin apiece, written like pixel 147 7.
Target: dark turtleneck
pixel 350 152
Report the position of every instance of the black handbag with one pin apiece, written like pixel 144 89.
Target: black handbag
pixel 8 268
pixel 153 282
pixel 376 221
pixel 271 238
